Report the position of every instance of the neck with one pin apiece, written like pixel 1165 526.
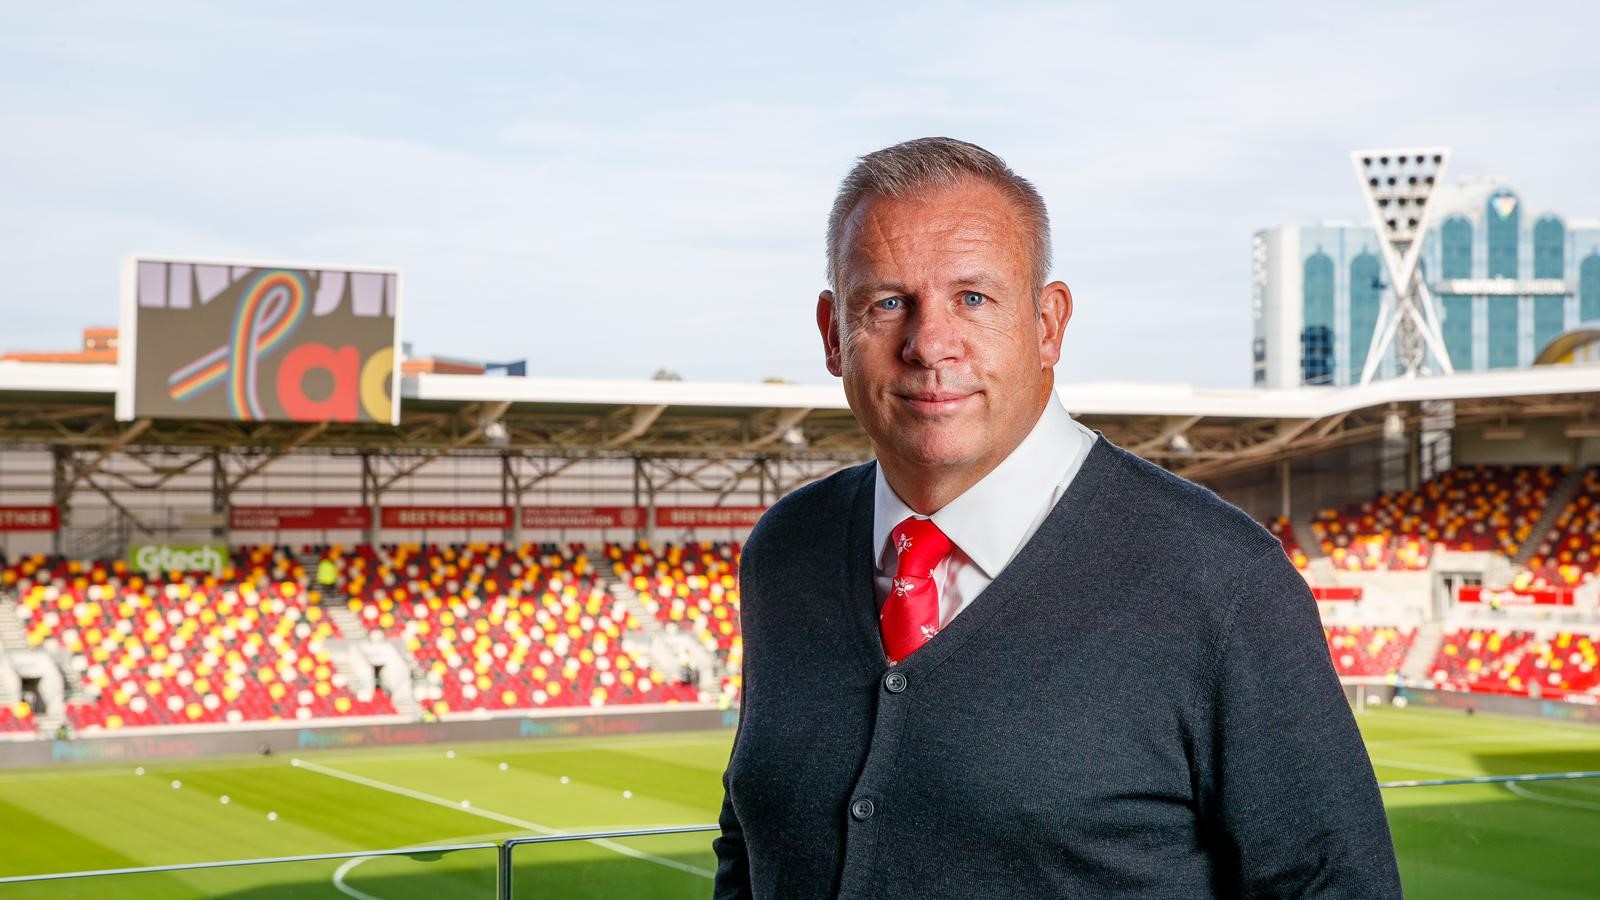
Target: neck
pixel 927 491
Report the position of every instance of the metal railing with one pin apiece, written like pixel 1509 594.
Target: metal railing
pixel 408 852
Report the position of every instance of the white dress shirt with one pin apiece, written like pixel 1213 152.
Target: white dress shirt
pixel 994 518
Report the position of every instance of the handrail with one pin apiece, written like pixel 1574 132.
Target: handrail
pixel 506 846
pixel 1489 779
pixel 604 835
pixel 267 860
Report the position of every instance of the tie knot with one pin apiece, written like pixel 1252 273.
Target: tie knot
pixel 920 543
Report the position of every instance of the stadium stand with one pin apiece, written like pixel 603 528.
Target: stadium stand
pixel 1468 508
pixel 17 718
pixel 499 628
pixel 1570 555
pixel 1481 659
pixel 177 653
pixel 1509 661
pixel 490 627
pixel 1368 651
pixel 693 586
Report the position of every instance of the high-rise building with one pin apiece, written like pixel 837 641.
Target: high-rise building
pixel 1506 281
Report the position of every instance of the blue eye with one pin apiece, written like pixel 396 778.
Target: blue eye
pixel 973 298
pixel 889 304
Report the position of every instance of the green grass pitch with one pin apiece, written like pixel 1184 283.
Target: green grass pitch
pixel 1533 840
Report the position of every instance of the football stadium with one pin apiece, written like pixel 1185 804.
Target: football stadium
pixel 293 609
pixel 287 610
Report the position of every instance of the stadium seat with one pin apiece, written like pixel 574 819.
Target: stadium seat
pixel 497 628
pixel 17 718
pixel 1507 661
pixel 190 651
pixel 1468 508
pixel 491 628
pixel 1570 555
pixel 694 586
pixel 1279 526
pixel 1368 651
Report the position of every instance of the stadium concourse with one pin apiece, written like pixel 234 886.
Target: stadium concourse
pixel 518 544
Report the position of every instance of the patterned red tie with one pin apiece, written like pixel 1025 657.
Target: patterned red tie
pixel 910 616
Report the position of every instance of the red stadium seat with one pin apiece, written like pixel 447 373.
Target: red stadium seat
pixel 1469 508
pixel 1368 651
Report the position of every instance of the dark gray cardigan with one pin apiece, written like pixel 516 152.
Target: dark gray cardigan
pixel 1141 705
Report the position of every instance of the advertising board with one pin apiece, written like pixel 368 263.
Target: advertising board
pixel 258 342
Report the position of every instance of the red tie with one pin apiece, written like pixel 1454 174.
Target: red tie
pixel 910 616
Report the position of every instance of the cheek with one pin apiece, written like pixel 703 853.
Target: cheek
pixel 868 352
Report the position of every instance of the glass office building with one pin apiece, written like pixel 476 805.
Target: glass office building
pixel 1506 281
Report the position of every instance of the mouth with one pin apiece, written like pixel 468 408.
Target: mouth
pixel 934 403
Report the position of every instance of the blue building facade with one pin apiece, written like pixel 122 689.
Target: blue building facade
pixel 1506 282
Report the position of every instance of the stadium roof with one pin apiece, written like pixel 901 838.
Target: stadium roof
pixel 1222 430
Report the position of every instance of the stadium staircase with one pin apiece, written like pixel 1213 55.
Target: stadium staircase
pixel 1309 545
pixel 1557 504
pixel 12 637
pixel 349 625
pixel 350 662
pixel 1418 667
pixel 622 594
pixel 107 540
pixel 10 682
pixel 661 647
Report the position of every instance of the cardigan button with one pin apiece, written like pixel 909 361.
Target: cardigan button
pixel 894 682
pixel 861 809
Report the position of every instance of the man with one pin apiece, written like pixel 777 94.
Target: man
pixel 1010 659
pixel 327 577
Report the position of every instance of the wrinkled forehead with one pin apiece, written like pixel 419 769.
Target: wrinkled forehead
pixel 942 235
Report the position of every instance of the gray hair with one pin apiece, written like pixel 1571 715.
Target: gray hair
pixel 917 165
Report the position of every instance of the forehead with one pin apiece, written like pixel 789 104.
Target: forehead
pixel 933 234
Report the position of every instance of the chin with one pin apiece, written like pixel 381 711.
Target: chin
pixel 940 448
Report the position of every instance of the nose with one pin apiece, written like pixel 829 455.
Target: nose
pixel 933 336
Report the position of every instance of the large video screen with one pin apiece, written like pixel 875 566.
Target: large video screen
pixel 258 342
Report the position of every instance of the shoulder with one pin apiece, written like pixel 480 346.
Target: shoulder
pixel 1158 510
pixel 1212 568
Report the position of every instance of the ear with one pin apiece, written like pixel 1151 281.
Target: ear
pixel 1055 308
pixel 828 324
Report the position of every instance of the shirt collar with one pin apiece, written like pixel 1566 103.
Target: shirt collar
pixel 989 520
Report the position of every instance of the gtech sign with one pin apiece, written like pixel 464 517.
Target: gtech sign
pixel 258 342
pixel 211 558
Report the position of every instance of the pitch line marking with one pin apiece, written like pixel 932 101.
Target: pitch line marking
pixel 608 844
pixel 1522 791
pixel 345 889
pixel 1423 767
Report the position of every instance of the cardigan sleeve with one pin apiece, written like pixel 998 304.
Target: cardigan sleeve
pixel 733 855
pixel 1291 797
pixel 733 861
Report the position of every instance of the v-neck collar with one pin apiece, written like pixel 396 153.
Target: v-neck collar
pixel 860 597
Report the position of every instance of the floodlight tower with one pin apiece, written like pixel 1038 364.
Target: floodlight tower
pixel 1397 185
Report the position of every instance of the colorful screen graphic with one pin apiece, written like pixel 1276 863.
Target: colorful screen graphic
pixel 259 343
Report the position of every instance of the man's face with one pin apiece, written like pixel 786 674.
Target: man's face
pixel 945 356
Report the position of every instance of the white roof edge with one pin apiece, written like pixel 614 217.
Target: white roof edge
pixel 1126 398
pixel 75 378
pixel 491 388
pixel 1108 398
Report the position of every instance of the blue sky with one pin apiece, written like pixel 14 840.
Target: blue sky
pixel 608 189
